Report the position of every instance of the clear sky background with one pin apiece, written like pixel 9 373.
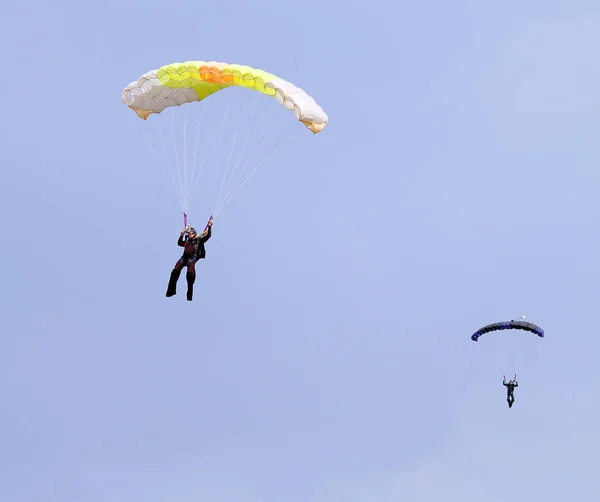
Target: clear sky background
pixel 326 356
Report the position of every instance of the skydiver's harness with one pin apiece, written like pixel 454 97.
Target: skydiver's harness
pixel 187 258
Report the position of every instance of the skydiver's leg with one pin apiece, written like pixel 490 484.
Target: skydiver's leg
pixel 175 273
pixel 191 278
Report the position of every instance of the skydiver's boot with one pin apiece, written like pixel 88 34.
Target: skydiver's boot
pixel 172 287
pixel 191 278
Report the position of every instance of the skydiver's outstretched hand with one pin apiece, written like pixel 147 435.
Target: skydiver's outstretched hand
pixel 210 223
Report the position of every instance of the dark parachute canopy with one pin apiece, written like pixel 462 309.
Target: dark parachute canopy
pixel 514 324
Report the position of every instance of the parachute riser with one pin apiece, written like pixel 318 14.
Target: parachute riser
pixel 208 222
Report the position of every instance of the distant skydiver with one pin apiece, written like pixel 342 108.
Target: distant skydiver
pixel 510 389
pixel 193 251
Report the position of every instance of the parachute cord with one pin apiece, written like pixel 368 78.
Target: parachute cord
pixel 179 173
pixel 233 171
pixel 200 171
pixel 224 119
pixel 185 166
pixel 209 143
pixel 162 167
pixel 171 178
pixel 224 193
pixel 229 199
pixel 196 156
pixel 226 188
pixel 230 177
pixel 235 136
pixel 222 137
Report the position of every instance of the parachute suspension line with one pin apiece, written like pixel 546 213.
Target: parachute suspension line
pixel 169 175
pixel 179 170
pixel 196 155
pixel 222 194
pixel 169 179
pixel 224 119
pixel 226 195
pixel 228 191
pixel 195 184
pixel 257 134
pixel 195 177
pixel 185 163
pixel 227 188
pixel 172 180
pixel 279 142
pixel 235 135
pixel 222 137
pixel 171 170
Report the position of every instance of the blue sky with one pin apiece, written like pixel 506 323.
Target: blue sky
pixel 326 355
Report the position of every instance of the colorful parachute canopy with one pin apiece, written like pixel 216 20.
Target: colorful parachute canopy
pixel 179 83
pixel 514 324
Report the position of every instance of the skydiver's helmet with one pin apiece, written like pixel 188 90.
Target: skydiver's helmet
pixel 191 232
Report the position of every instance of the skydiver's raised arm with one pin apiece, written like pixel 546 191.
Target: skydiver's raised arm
pixel 208 233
